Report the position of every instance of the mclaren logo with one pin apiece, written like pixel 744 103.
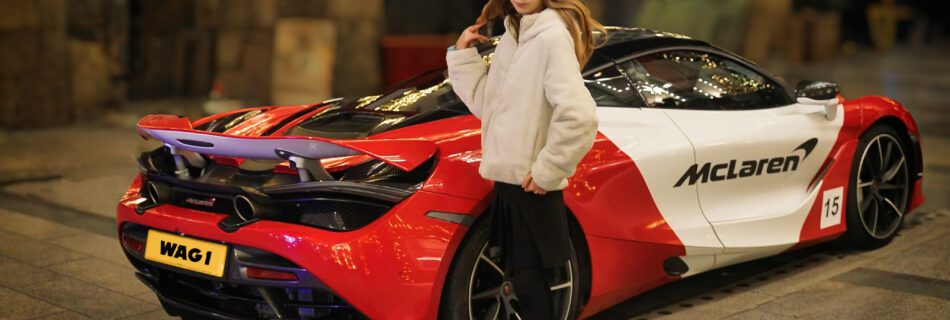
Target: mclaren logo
pixel 201 202
pixel 748 168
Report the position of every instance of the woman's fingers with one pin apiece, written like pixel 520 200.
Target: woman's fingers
pixel 538 189
pixel 530 186
pixel 469 35
pixel 474 29
pixel 467 39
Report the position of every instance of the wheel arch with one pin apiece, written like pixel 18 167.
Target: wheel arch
pixel 579 238
pixel 908 138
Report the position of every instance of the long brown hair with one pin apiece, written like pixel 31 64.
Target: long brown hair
pixel 575 14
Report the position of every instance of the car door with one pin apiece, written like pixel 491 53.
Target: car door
pixel 756 150
pixel 655 149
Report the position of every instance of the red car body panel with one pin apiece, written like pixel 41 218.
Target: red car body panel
pixel 390 269
pixel 860 114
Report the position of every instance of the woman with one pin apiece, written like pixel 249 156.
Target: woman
pixel 538 121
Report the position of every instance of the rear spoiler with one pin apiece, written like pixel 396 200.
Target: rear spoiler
pixel 178 135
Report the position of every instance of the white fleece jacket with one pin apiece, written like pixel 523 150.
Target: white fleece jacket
pixel 537 115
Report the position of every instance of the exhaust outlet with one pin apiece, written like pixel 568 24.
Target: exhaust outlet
pixel 248 209
pixel 157 193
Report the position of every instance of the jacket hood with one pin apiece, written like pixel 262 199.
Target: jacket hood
pixel 535 23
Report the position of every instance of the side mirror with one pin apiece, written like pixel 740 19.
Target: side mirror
pixel 818 97
pixel 817 90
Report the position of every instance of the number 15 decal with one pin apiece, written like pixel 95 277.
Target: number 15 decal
pixel 831 204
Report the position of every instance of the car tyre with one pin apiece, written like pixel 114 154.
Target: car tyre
pixel 879 189
pixel 477 269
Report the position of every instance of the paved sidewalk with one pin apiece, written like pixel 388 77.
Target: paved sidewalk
pixel 52 271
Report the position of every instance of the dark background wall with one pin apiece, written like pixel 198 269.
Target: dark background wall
pixel 68 60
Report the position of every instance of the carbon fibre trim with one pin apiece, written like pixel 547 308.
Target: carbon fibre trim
pixel 374 191
pixel 457 218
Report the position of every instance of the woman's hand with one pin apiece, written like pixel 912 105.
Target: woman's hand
pixel 470 34
pixel 529 186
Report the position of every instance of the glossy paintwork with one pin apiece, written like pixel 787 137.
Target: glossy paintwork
pixel 391 269
pixel 458 140
pixel 213 117
pixel 860 115
pixel 838 174
pixel 623 269
pixel 261 123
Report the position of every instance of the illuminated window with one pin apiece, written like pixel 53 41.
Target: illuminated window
pixel 701 81
pixel 611 89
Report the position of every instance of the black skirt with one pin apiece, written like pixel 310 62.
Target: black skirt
pixel 530 228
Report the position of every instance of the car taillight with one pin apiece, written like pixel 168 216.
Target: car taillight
pixel 265 274
pixel 132 243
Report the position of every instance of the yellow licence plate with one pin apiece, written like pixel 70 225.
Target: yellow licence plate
pixel 186 253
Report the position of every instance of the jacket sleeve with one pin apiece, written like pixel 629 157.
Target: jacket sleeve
pixel 468 73
pixel 574 120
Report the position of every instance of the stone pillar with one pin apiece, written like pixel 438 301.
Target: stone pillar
pixel 246 45
pixel 98 31
pixel 304 59
pixel 768 20
pixel 35 88
pixel 359 25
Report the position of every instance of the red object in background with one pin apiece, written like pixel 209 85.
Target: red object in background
pixel 405 56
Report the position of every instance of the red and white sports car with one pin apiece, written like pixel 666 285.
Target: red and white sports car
pixel 372 206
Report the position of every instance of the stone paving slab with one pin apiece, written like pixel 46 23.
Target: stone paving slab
pixel 82 275
pixel 929 259
pixel 94 245
pixel 32 227
pixel 148 297
pixel 717 306
pixel 756 314
pixel 151 315
pixel 16 305
pixel 88 299
pixel 15 274
pixel 99 195
pixel 838 300
pixel 116 277
pixel 941 312
pixel 34 252
pixel 900 282
pixel 68 315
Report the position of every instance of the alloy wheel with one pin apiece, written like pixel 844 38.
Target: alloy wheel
pixel 882 184
pixel 492 296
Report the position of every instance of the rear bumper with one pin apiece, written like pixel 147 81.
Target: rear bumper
pixel 393 268
pixel 235 295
